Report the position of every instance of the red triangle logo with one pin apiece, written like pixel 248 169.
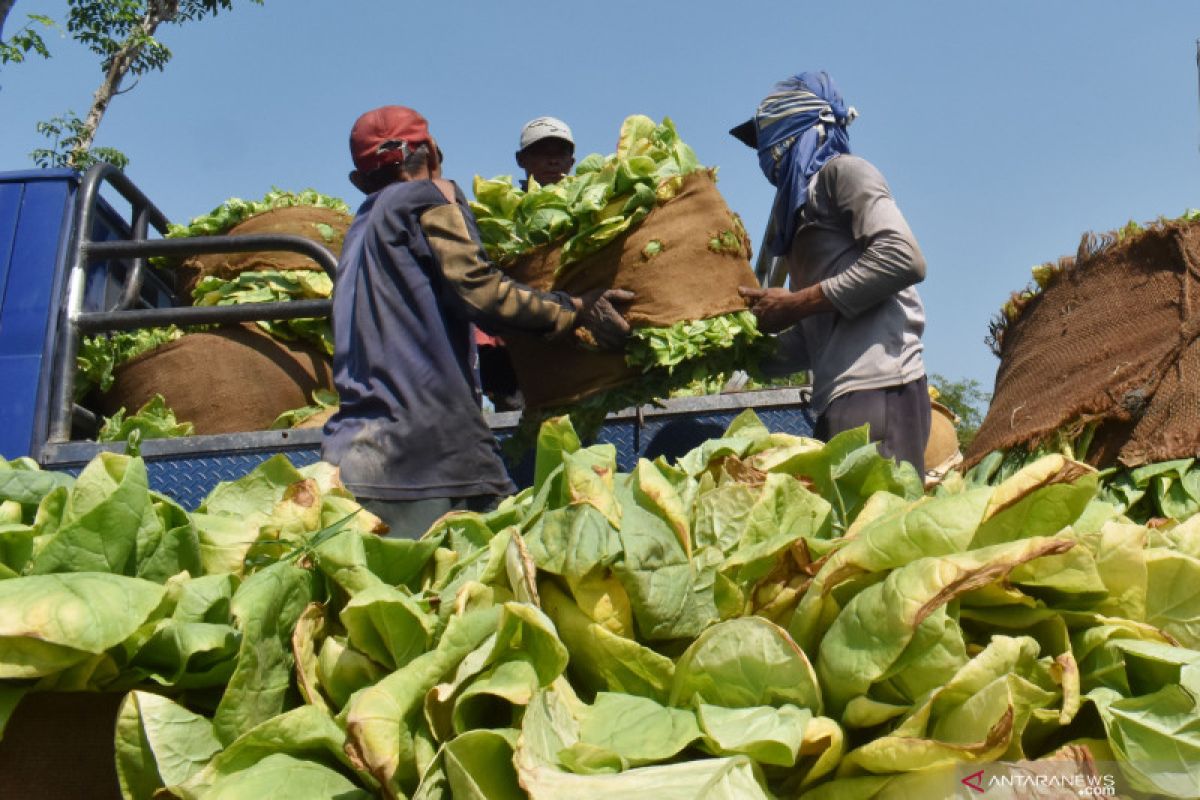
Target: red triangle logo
pixel 974 781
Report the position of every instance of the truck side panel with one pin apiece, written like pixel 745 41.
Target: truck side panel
pixel 34 217
pixel 188 469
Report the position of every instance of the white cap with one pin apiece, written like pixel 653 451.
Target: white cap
pixel 544 128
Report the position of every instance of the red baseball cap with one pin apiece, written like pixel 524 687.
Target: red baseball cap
pixel 385 135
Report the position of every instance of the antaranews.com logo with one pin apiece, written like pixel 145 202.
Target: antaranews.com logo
pixel 1041 779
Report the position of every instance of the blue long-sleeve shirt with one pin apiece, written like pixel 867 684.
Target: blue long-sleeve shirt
pixel 411 277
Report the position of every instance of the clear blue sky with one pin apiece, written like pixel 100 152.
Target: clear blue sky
pixel 1006 129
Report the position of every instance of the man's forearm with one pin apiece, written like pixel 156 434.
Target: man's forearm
pixel 808 301
pixel 778 309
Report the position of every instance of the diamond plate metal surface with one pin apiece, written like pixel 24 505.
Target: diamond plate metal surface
pixel 188 478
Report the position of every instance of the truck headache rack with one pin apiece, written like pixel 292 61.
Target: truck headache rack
pixel 76 322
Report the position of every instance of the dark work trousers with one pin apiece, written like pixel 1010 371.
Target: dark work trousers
pixel 409 519
pixel 899 417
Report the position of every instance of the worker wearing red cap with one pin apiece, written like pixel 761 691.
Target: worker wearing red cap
pixel 409 437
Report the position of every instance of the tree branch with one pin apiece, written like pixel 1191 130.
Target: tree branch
pixel 158 12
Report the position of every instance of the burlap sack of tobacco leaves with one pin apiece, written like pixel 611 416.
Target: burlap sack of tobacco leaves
pixel 1111 340
pixel 325 226
pixel 226 380
pixel 684 261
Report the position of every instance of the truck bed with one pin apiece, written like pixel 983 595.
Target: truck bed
pixel 187 469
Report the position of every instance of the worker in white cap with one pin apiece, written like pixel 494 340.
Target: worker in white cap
pixel 546 151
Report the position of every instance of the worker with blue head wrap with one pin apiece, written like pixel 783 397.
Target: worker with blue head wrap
pixel 852 314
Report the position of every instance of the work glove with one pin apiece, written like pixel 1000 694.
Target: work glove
pixel 598 320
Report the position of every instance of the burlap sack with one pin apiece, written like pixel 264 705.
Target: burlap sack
pixel 1111 340
pixel 227 380
pixel 310 222
pixel 59 746
pixel 685 280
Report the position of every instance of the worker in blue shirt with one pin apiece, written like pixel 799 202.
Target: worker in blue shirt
pixel 409 437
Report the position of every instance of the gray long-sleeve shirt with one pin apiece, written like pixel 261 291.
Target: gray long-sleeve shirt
pixel 855 243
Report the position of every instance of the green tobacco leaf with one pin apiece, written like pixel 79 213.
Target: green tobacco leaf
pixel 23 482
pixel 282 777
pixel 654 492
pixel 189 654
pixel 1067 580
pixel 491 700
pixel 555 439
pixel 152 421
pixel 745 436
pixel 51 622
pixel 551 726
pixel 1121 563
pixel 768 735
pixel 1039 500
pixel 342 670
pixel 741 663
pixel 266 609
pixel 928 528
pixel 159 743
pixel 16 548
pixel 878 624
pixel 637 729
pixel 846 471
pixel 573 542
pixel 388 625
pixel 713 779
pixel 379 718
pixel 1156 738
pixel 307 638
pixel 306 732
pixel 479 766
pixel 602 660
pixel 107 512
pixel 1173 595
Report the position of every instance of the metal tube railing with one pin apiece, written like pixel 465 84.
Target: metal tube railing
pixel 75 322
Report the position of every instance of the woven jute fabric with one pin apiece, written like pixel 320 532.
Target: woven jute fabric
pixel 227 380
pixel 678 277
pixel 59 746
pixel 1111 340
pixel 322 225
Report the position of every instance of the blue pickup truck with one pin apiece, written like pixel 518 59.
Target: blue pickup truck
pixel 74 252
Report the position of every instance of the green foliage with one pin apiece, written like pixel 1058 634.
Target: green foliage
pixel 67 134
pixel 604 198
pixel 967 400
pixel 100 355
pixel 769 616
pixel 26 40
pixel 273 286
pixel 121 33
pixel 236 210
pixel 154 420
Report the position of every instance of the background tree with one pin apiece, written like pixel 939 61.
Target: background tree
pixel 26 40
pixel 967 400
pixel 122 34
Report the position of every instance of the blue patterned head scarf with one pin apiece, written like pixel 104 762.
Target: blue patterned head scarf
pixel 800 126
